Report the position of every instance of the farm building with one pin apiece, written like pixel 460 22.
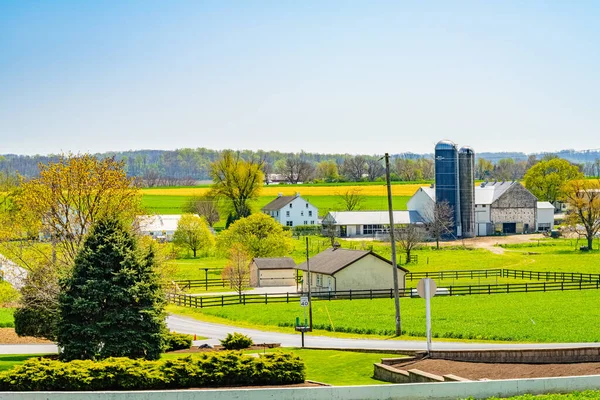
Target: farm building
pixel 265 272
pixel 367 223
pixel 500 207
pixel 292 211
pixel 160 227
pixel 337 269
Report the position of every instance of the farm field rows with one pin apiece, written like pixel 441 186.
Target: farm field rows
pixel 525 317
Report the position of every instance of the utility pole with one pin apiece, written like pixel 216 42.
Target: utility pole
pixel 309 282
pixel 393 241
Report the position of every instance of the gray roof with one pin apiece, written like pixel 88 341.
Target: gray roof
pixel 278 203
pixel 544 204
pixel 274 263
pixel 445 145
pixel 375 217
pixel 331 261
pixel 486 194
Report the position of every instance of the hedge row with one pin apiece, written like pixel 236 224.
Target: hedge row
pixel 207 370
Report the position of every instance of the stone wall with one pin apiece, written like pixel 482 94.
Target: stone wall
pixel 517 204
pixel 525 356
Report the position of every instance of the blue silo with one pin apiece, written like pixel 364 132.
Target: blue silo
pixel 446 180
pixel 466 177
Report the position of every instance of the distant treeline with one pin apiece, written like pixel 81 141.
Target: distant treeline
pixel 188 166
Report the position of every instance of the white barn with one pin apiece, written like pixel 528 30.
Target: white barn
pixel 265 272
pixel 292 211
pixel 367 223
pixel 160 227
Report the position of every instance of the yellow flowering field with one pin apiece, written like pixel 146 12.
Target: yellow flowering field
pixel 376 189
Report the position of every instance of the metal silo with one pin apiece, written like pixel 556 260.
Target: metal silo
pixel 466 178
pixel 446 179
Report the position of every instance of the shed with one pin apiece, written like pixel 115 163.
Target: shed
pixel 337 269
pixel 267 272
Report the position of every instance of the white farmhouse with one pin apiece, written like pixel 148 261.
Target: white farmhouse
pixel 159 227
pixel 367 223
pixel 292 211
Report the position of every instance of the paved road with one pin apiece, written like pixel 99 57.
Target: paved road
pixel 218 331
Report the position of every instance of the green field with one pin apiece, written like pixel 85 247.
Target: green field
pixel 588 394
pixel 525 317
pixel 173 204
pixel 6 318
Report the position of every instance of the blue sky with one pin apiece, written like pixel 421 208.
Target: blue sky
pixel 320 76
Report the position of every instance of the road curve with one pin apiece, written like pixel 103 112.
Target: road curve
pixel 218 331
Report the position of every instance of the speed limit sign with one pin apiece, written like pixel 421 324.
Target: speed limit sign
pixel 304 301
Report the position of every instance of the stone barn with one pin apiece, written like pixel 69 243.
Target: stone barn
pixel 266 272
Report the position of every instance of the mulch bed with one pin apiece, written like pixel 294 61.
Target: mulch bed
pixel 8 336
pixel 476 371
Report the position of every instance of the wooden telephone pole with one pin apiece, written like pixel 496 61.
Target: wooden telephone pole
pixel 393 241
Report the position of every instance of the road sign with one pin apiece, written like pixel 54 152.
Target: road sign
pixel 304 301
pixel 421 288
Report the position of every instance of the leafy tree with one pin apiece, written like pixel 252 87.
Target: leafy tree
pixel 237 270
pixel 236 180
pixel 441 221
pixel 547 179
pixel 353 168
pixel 351 199
pixel 583 197
pixel 192 232
pixel 205 206
pixel 112 305
pixel 295 169
pixel 484 169
pixel 70 194
pixel 328 171
pixel 259 235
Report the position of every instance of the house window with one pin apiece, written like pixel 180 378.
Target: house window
pixel 312 222
pixel 277 213
pixel 319 280
pixel 483 205
pixel 310 213
pixel 372 229
pixel 290 205
pixel 289 223
pixel 302 213
pixel 305 222
pixel 306 205
pixel 287 213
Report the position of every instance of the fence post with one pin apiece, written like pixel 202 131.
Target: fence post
pixel 562 285
pixel 450 290
pixel 350 294
pixel 244 298
pixel 287 297
pixel 489 289
pixel 391 293
pixel 266 298
pixel 201 302
pixel 222 300
pixel 371 294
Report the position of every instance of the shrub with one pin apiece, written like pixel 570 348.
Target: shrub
pixel 236 341
pixel 177 341
pixel 217 369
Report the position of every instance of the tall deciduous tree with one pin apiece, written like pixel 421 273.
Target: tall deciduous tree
pixel 374 168
pixel 205 206
pixel 583 197
pixel 237 180
pixel 237 270
pixel 112 305
pixel 353 168
pixel 547 179
pixel 328 171
pixel 192 232
pixel 295 169
pixel 259 235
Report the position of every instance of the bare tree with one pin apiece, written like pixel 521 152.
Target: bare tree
pixel 409 237
pixel 374 169
pixel 353 168
pixel 297 170
pixel 583 197
pixel 206 206
pixel 351 199
pixel 237 270
pixel 329 231
pixel 441 221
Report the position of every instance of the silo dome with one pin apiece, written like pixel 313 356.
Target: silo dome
pixel 445 145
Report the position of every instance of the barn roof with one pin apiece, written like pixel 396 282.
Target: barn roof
pixel 279 203
pixel 274 263
pixel 331 261
pixel 374 217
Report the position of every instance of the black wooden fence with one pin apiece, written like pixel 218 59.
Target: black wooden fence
pixel 463 290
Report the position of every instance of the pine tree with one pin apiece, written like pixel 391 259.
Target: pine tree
pixel 112 305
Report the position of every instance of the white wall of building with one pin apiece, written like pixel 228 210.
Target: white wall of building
pixel 297 212
pixel 422 203
pixel 545 216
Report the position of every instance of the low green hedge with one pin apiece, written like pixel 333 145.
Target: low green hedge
pixel 207 370
pixel 236 341
pixel 177 341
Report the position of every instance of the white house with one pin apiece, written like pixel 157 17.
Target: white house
pixel 160 227
pixel 340 269
pixel 292 211
pixel 265 272
pixel 367 223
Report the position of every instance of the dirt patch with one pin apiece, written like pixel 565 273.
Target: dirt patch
pixel 491 242
pixel 475 371
pixel 8 336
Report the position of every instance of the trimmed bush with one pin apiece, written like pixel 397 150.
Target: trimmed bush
pixel 207 370
pixel 177 341
pixel 236 341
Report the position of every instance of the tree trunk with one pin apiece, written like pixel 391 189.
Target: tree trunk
pixel 437 243
pixel 590 240
pixel 194 252
pixel 407 256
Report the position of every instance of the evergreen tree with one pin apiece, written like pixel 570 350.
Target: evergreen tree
pixel 112 305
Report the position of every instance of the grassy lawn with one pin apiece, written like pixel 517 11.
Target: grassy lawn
pixel 332 366
pixel 6 318
pixel 7 361
pixel 569 316
pixel 588 394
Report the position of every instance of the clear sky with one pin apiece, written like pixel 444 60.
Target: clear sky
pixel 321 76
